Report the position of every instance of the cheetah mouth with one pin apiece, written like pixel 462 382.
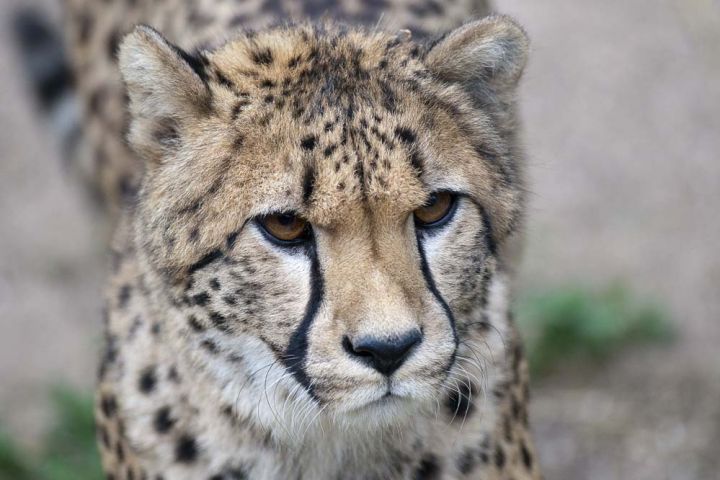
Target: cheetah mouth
pixel 388 396
pixel 388 400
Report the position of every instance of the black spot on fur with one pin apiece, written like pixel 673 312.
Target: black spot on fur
pixel 308 143
pixel 239 106
pixel 186 450
pixel 359 172
pixel 293 62
pixel 417 162
pixel 173 374
pixel 120 451
pixel 262 57
pixel 104 436
pixel 194 235
pixel 329 150
pixel 308 184
pixel 405 134
pixel 148 380
pixel 219 321
pixel 195 324
pixel 124 295
pixel 515 407
pixel 507 427
pixel 109 355
pixel 209 345
pixel 201 299
pixel 526 456
pixel 389 99
pixel 232 474
pixel 223 80
pixel 163 421
pixel 190 209
pixel 238 143
pixel 499 457
pixel 166 132
pixel 466 461
pixel 458 402
pixel 428 469
pixel 108 405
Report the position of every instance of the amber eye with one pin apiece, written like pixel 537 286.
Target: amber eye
pixel 285 227
pixel 436 209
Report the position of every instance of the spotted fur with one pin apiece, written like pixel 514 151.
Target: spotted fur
pixel 225 354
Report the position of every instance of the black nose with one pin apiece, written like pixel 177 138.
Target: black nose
pixel 383 354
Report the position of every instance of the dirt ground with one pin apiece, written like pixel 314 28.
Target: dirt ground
pixel 622 110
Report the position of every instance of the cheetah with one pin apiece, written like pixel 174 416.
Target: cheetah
pixel 312 266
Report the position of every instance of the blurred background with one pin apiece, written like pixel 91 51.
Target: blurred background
pixel 619 290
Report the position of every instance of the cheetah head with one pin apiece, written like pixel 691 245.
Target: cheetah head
pixel 325 211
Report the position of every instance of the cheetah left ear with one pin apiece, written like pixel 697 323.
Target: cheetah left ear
pixel 486 56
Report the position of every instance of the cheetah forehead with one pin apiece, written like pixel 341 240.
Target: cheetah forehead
pixel 330 109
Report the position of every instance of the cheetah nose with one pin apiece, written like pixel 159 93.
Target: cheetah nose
pixel 383 354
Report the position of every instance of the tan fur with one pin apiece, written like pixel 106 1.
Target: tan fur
pixel 225 352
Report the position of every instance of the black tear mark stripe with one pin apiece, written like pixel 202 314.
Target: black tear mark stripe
pixel 430 282
pixel 296 352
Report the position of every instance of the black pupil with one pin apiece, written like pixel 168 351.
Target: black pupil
pixel 286 220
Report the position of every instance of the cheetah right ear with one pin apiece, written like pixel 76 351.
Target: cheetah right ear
pixel 166 87
pixel 487 57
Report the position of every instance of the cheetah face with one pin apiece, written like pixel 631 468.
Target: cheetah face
pixel 324 208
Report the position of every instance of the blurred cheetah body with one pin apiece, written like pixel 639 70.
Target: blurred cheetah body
pixel 227 352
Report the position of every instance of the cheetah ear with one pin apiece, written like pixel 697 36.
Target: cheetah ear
pixel 486 56
pixel 166 88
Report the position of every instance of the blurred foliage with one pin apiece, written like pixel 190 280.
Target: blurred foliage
pixel 580 324
pixel 68 451
pixel 558 325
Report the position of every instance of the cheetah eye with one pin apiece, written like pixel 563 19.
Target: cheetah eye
pixel 285 228
pixel 437 210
